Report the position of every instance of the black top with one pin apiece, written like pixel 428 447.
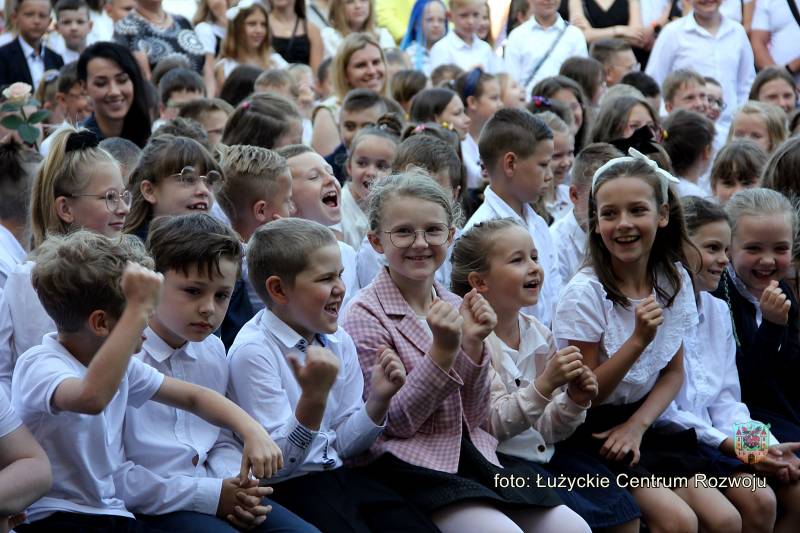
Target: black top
pixel 768 359
pixel 92 125
pixel 294 49
pixel 14 66
pixel 617 14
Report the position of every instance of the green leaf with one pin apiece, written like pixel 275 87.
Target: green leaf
pixel 28 133
pixel 12 122
pixel 38 116
pixel 8 107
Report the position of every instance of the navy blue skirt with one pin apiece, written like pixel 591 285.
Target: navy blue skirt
pixel 595 494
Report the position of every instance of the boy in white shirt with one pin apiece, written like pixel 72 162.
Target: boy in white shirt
pixel 516 148
pixel 462 46
pixel 569 232
pixel 297 372
pixel 73 24
pixel 168 478
pixel 72 391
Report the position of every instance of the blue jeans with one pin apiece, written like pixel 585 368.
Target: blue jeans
pixel 279 520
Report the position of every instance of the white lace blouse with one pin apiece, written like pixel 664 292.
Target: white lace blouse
pixel 584 313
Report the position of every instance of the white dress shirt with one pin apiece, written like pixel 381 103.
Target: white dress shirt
pixel 495 207
pixel 585 314
pixel 56 43
pixel 570 243
pixel 355 223
pixel 331 39
pixel 23 321
pixel 35 61
pixel 726 57
pixel 167 448
pixel 84 450
pixel 546 420
pixel 710 400
pixel 472 161
pixel 12 254
pixel 451 49
pixel 263 384
pixel 530 41
pixel 9 421
pixel 562 205
pixel 687 188
pixel 775 17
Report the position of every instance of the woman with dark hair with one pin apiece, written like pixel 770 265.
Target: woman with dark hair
pixel 116 88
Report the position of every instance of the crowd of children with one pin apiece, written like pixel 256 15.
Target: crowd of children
pixel 443 279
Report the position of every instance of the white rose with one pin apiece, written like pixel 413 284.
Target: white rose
pixel 17 93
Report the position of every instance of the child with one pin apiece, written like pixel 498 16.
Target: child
pixel 77 186
pixel 17 168
pixel 211 113
pixel 26 58
pixel 627 313
pixel 738 166
pixel 710 399
pixel 360 108
pixel 685 89
pixel 73 25
pixel 443 75
pixel 556 40
pixel 516 149
pixel 71 98
pixel 426 26
pixel 277 81
pixel 371 156
pixel 124 152
pixel 715 98
pixel 621 117
pixel 405 85
pixel 352 16
pixel 617 58
pixel 484 30
pixel 555 194
pixel 175 175
pixel 264 120
pixel 763 308
pixel 25 474
pixel 442 407
pixel 118 10
pixel 646 85
pixel 539 395
pixel 569 232
pixel 776 86
pixel 168 478
pixel 324 80
pixel 566 90
pixel 316 195
pixel 764 124
pixel 480 93
pixel 210 25
pixel 296 371
pixel 78 383
pixel 689 140
pixel 511 93
pixel 177 87
pixel 442 106
pixel 461 46
pixel 246 42
pixel 782 166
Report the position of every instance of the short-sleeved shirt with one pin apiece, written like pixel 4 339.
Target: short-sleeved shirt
pixel 9 421
pixel 137 34
pixel 775 17
pixel 84 450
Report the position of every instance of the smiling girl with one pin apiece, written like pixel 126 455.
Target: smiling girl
pixel 352 16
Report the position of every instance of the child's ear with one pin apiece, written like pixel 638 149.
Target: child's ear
pixel 663 215
pixel 375 241
pixel 148 190
pixel 668 105
pixel 61 100
pixel 471 102
pixel 100 323
pixel 477 281
pixel 276 291
pixel 261 212
pixel 509 162
pixel 573 194
pixel 63 210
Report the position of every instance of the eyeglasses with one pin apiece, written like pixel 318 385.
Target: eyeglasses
pixel 435 235
pixel 717 102
pixel 188 178
pixel 112 198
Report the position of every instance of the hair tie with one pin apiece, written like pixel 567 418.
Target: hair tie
pixel 246 105
pixel 420 128
pixel 234 11
pixel 471 85
pixel 642 140
pixel 81 140
pixel 541 101
pixel 635 155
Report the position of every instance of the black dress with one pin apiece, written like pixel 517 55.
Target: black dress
pixel 617 15
pixel 294 49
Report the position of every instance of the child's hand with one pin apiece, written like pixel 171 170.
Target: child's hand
pixel 141 287
pixel 388 375
pixel 563 367
pixel 620 441
pixel 649 315
pixel 479 318
pixel 240 503
pixel 584 388
pixel 774 304
pixel 260 454
pixel 445 323
pixel 318 375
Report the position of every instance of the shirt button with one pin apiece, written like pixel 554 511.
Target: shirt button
pixel 542 448
pixel 292 460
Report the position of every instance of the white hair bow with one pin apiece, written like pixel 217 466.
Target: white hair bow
pixel 635 155
pixel 232 12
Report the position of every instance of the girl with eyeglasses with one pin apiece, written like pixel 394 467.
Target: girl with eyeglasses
pixel 78 186
pixel 175 176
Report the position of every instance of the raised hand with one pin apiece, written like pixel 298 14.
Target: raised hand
pixel 388 375
pixel 446 324
pixel 141 287
pixel 584 388
pixel 563 367
pixel 774 304
pixel 319 372
pixel 649 315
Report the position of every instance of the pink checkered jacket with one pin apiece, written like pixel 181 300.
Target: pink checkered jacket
pixel 427 415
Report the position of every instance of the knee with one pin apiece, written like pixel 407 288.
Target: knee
pixel 723 520
pixel 760 507
pixel 678 518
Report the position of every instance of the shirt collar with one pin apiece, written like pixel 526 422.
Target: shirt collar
pixel 692 25
pixel 504 210
pixel 460 43
pixel 28 51
pixel 558 24
pixel 158 349
pixel 287 336
pixel 740 286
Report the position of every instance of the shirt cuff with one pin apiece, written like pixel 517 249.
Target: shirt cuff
pixel 570 406
pixel 207 495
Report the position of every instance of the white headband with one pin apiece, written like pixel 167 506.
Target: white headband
pixel 635 155
pixel 232 12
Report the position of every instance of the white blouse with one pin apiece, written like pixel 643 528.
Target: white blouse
pixel 355 223
pixel 584 313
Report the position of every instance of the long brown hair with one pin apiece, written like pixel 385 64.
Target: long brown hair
pixel 233 44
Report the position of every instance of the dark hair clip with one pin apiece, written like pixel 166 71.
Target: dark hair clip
pixel 541 101
pixel 81 140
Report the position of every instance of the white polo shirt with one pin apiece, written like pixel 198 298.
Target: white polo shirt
pixel 775 17
pixel 451 49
